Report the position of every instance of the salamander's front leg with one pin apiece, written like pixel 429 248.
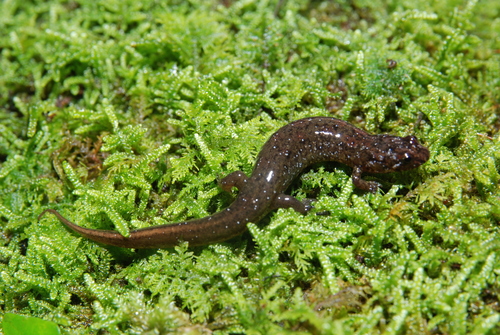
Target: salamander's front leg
pixel 362 184
pixel 235 179
pixel 287 201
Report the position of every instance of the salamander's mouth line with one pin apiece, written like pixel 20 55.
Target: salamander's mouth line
pixel 282 158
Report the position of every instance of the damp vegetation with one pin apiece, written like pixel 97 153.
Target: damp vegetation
pixel 124 114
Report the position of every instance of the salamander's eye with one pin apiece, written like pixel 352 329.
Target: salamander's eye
pixel 407 158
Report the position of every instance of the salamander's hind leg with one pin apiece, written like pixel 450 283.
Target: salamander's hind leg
pixel 287 201
pixel 234 179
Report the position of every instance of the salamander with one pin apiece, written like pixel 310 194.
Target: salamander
pixel 282 158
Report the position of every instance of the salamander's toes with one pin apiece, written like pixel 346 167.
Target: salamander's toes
pixel 308 204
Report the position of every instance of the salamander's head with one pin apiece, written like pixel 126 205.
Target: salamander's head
pixel 394 153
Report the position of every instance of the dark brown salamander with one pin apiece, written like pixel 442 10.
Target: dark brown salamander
pixel 282 158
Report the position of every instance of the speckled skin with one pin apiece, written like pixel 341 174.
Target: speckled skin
pixel 282 158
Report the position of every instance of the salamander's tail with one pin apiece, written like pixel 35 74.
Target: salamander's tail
pixel 103 236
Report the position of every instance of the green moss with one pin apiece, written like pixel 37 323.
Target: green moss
pixel 124 114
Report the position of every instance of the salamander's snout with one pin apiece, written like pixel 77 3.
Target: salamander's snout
pixel 413 156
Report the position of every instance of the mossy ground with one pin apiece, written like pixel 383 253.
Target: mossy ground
pixel 123 114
